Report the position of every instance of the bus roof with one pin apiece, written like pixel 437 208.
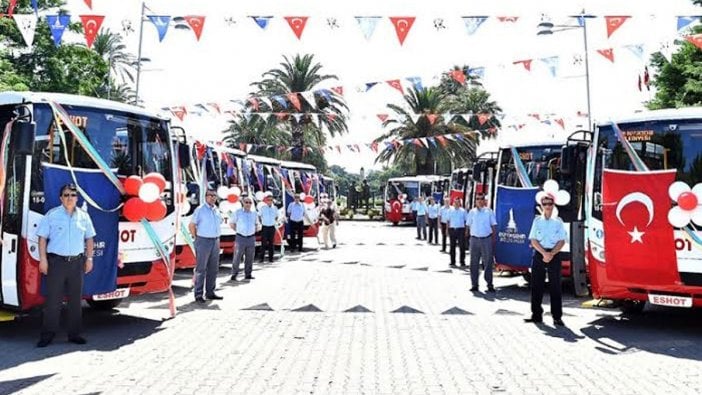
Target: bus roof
pixel 11 97
pixel 425 178
pixel 544 143
pixel 264 159
pixel 296 165
pixel 229 150
pixel 663 115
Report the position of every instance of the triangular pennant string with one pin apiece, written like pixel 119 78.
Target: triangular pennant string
pixel 57 25
pixel 161 22
pixel 402 24
pixel 262 21
pixel 367 25
pixel 472 23
pixel 91 26
pixel 297 24
pixel 196 22
pixel 613 23
pixel 607 53
pixel 27 24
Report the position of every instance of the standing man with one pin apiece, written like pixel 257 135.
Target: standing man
pixel 421 218
pixel 443 219
pixel 65 255
pixel 296 216
pixel 245 223
pixel 482 228
pixel 433 219
pixel 457 232
pixel 205 227
pixel 548 236
pixel 329 219
pixel 269 218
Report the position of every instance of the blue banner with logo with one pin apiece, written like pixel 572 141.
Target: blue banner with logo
pixel 103 278
pixel 515 214
pixel 57 25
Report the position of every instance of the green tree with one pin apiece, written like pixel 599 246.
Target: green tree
pixel 121 65
pixel 429 158
pixel 302 74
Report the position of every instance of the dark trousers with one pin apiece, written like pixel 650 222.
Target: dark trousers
pixel 207 265
pixel 457 237
pixel 63 275
pixel 538 280
pixel 422 227
pixel 444 235
pixel 481 250
pixel 433 230
pixel 297 229
pixel 267 236
pixel 245 248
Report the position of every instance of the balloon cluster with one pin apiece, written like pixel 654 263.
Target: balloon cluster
pixel 402 197
pixel 689 204
pixel 559 196
pixel 230 198
pixel 145 201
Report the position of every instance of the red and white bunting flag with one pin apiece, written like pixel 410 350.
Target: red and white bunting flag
pixel 526 63
pixel 27 24
pixel 466 117
pixel 402 24
pixel 294 100
pixel 607 53
pixel 448 117
pixel 297 24
pixel 11 8
pixel 507 18
pixel 266 101
pixel 196 22
pixel 89 3
pixel 432 118
pixel 614 22
pixel 535 116
pixel 339 90
pixel 265 116
pixel 374 146
pixel 254 103
pixel 417 142
pixel 216 107
pixel 382 117
pixel 695 39
pixel 441 140
pixel 309 98
pixel 396 84
pixel 331 117
pixel 482 118
pixel 297 116
pixel 179 112
pixel 458 76
pixel 414 117
pixel 282 116
pixel 91 26
pixel 560 122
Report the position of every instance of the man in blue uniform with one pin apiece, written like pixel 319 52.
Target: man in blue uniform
pixel 443 219
pixel 205 227
pixel 296 216
pixel 481 223
pixel 457 232
pixel 245 223
pixel 421 218
pixel 65 255
pixel 269 218
pixel 433 219
pixel 548 236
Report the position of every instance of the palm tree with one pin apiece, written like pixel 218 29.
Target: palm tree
pixel 122 64
pixel 302 74
pixel 425 159
pixel 471 98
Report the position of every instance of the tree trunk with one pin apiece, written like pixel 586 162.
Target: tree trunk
pixel 298 143
pixel 427 166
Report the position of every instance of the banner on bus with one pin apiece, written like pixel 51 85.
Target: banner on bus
pixel 103 278
pixel 515 214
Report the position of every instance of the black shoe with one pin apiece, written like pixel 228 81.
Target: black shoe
pixel 473 289
pixel 271 260
pixel 491 289
pixel 233 277
pixel 45 340
pixel 463 265
pixel 214 297
pixel 558 322
pixel 452 264
pixel 333 245
pixel 200 299
pixel 249 278
pixel 77 339
pixel 534 320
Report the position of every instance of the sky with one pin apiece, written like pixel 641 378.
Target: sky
pixel 221 66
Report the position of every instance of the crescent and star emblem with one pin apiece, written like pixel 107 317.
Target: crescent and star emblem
pixel 91 26
pixel 402 25
pixel 634 197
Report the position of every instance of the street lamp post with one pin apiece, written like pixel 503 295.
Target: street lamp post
pixel 141 37
pixel 547 28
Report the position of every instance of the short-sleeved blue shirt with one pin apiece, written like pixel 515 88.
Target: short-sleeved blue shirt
pixel 548 232
pixel 66 234
pixel 481 221
pixel 245 221
pixel 433 210
pixel 443 214
pixel 457 218
pixel 207 220
pixel 296 211
pixel 268 214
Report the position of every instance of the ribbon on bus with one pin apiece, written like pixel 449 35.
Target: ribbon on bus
pixel 188 238
pixel 161 249
pixel 521 170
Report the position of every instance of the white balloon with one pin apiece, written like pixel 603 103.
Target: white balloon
pixel 562 198
pixel 222 192
pixel 225 206
pixel 185 207
pixel 696 216
pixel 678 217
pixel 149 192
pixel 259 195
pixel 302 196
pixel 260 205
pixel 234 191
pixel 540 195
pixel 551 186
pixel 697 190
pixel 677 188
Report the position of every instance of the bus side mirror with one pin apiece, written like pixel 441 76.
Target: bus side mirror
pixel 23 137
pixel 568 159
pixel 478 169
pixel 183 155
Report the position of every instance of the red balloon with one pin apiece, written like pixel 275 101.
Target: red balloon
pixel 309 199
pixel 156 178
pixel 132 185
pixel 155 211
pixel 134 210
pixel 232 198
pixel 687 201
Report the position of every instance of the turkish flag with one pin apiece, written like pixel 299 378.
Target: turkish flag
pixel 91 26
pixel 196 22
pixel 639 241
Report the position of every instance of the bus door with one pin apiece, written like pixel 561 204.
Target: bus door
pixel 14 224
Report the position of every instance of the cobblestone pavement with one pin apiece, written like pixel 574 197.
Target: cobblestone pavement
pixel 382 313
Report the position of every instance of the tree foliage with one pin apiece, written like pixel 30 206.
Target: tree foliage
pixel 679 82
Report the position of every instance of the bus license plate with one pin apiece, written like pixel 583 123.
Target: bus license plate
pixel 120 293
pixel 669 300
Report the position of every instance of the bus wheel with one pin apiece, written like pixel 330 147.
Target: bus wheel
pixel 395 223
pixel 104 305
pixel 629 306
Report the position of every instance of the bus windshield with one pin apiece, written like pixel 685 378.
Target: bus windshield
pixel 541 163
pixel 397 188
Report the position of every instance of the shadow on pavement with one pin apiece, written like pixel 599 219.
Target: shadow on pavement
pixel 104 330
pixel 12 386
pixel 667 331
